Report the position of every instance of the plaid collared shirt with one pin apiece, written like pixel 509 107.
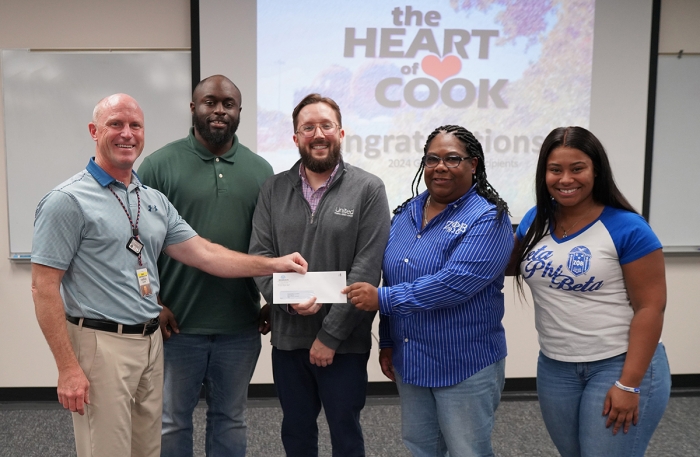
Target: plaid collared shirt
pixel 314 196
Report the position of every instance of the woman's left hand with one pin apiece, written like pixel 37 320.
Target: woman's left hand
pixel 363 295
pixel 622 409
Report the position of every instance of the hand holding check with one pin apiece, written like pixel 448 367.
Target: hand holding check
pixel 363 295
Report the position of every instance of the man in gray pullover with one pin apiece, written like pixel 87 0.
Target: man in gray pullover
pixel 337 217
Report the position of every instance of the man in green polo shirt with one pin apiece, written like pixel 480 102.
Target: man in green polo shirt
pixel 210 324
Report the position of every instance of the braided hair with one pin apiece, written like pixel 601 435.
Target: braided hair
pixel 473 148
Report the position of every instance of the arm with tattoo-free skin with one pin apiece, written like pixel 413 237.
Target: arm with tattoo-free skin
pixel 646 287
pixel 218 261
pixel 73 386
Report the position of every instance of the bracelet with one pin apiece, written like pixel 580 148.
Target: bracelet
pixel 634 390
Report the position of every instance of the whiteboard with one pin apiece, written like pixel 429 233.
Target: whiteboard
pixel 674 211
pixel 48 100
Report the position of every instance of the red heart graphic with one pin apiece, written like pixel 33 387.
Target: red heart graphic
pixel 449 66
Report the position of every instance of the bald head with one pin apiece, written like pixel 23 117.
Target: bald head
pixel 216 81
pixel 112 101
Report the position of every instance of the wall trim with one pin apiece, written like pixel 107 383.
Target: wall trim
pixel 651 106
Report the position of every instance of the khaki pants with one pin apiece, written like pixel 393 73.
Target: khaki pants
pixel 126 393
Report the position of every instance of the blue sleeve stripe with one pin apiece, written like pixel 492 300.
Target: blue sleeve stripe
pixel 631 234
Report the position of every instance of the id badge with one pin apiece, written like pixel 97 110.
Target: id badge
pixel 144 281
pixel 134 246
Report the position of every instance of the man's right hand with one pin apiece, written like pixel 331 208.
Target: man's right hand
pixel 290 263
pixel 168 323
pixel 307 308
pixel 73 389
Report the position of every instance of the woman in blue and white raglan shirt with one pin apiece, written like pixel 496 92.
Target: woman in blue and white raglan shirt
pixel 596 272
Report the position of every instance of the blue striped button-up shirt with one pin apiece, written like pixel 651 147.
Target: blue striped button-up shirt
pixel 442 304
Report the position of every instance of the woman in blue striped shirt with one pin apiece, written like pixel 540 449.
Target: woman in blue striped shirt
pixel 441 337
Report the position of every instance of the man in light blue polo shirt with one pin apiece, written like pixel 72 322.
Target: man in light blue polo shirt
pixel 97 238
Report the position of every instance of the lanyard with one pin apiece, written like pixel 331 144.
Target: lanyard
pixel 134 227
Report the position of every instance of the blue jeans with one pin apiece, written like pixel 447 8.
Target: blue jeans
pixel 224 364
pixel 456 419
pixel 572 396
pixel 341 388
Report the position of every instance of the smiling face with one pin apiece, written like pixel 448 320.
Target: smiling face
pixel 448 184
pixel 570 177
pixel 216 111
pixel 117 129
pixel 320 152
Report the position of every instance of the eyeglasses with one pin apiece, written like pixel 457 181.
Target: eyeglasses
pixel 327 128
pixel 432 161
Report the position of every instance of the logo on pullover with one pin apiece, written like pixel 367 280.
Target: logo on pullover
pixel 343 211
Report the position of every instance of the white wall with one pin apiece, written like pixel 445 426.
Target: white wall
pixel 25 360
pixel 679 30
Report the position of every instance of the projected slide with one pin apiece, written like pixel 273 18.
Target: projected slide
pixel 507 71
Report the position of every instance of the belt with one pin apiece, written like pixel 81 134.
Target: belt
pixel 108 326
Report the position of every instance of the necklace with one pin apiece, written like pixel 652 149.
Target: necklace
pixel 425 211
pixel 134 245
pixel 574 224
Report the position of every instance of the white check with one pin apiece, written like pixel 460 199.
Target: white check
pixel 296 288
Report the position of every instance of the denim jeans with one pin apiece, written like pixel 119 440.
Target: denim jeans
pixel 303 388
pixel 224 364
pixel 455 420
pixel 572 396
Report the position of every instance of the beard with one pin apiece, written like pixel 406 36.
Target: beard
pixel 216 137
pixel 320 165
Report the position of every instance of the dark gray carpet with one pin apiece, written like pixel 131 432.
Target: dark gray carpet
pixel 41 429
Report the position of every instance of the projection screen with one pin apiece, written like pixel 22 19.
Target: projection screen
pixel 508 71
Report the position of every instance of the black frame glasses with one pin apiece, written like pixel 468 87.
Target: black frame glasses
pixel 432 161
